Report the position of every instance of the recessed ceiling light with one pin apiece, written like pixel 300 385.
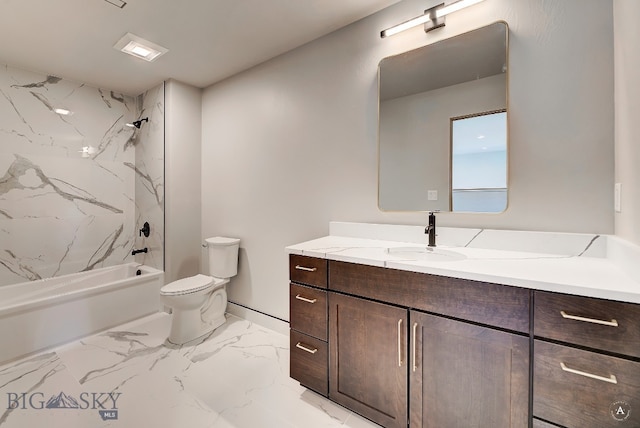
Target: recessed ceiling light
pixel 62 111
pixel 138 50
pixel 139 47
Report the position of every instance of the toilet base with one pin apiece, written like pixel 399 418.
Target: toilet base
pixel 189 325
pixel 182 338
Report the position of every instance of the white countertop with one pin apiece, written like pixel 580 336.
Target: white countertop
pixel 587 265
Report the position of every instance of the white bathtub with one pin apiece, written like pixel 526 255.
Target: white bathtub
pixel 40 314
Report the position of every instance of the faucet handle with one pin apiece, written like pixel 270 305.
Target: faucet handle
pixel 146 229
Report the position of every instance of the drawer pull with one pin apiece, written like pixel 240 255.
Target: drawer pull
pixel 304 299
pixel 400 343
pixel 307 269
pixel 415 329
pixel 612 323
pixel 610 379
pixel 299 345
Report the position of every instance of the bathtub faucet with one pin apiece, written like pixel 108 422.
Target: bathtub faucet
pixel 134 252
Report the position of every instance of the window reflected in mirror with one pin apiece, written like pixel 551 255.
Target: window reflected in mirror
pixel 479 162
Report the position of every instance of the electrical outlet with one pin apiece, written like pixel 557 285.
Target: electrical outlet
pixel 617 197
pixel 432 195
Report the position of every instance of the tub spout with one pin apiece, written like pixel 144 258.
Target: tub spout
pixel 134 252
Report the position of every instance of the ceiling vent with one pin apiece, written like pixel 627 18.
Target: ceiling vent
pixel 139 47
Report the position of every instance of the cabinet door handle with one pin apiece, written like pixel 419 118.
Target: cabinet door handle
pixel 400 343
pixel 307 269
pixel 299 345
pixel 610 379
pixel 612 323
pixel 304 299
pixel 415 362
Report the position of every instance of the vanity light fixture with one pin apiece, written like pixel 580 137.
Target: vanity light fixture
pixel 432 18
pixel 139 47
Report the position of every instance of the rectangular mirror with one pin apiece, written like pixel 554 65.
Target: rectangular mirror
pixel 442 125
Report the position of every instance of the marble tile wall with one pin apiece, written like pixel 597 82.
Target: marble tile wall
pixel 149 182
pixel 68 188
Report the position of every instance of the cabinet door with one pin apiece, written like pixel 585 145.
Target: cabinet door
pixel 466 376
pixel 368 358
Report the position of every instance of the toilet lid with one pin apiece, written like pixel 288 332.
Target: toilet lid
pixel 187 285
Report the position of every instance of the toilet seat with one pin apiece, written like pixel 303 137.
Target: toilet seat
pixel 190 285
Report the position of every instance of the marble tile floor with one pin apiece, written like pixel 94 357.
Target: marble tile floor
pixel 127 377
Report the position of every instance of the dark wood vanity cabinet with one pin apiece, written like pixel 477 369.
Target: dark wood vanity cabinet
pixel 586 366
pixel 308 322
pixel 458 374
pixel 410 349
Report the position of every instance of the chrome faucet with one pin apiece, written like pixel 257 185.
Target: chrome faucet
pixel 431 228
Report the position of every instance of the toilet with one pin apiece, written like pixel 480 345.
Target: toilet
pixel 198 303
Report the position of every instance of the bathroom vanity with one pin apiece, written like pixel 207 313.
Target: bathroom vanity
pixel 409 338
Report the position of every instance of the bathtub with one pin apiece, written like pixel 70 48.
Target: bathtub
pixel 36 315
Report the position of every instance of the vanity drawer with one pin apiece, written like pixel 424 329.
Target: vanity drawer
pixel 308 310
pixel 309 363
pixel 594 323
pixel 308 270
pixel 486 303
pixel 582 389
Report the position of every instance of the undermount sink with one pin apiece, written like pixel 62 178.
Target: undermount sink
pixel 426 253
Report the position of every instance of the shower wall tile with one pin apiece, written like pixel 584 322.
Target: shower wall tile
pixel 39 186
pixel 149 181
pixel 63 246
pixel 67 183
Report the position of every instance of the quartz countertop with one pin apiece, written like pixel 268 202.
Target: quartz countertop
pixel 601 266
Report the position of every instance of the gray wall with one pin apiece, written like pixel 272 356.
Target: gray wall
pixel 183 122
pixel 627 127
pixel 292 144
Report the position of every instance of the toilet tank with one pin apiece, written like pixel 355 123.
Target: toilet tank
pixel 223 256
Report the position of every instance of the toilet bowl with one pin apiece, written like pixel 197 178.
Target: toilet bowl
pixel 198 303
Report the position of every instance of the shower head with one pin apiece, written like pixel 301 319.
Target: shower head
pixel 138 123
